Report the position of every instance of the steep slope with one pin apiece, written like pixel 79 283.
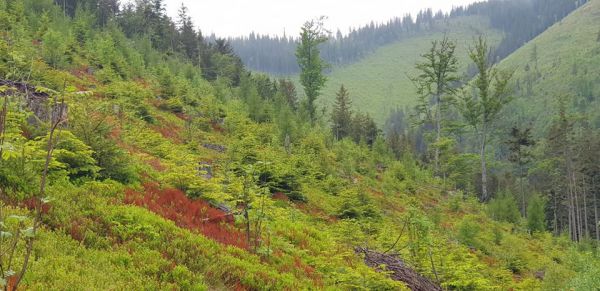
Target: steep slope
pixel 380 82
pixel 562 62
pixel 160 180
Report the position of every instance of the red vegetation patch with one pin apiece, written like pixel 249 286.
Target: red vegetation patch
pixel 115 133
pixel 196 215
pixel 315 211
pixel 12 281
pixel 183 116
pixel 76 231
pixel 168 130
pixel 142 82
pixel 280 196
pixel 155 164
pixel 239 287
pixel 32 202
pixel 308 271
pixel 84 73
pixel 217 127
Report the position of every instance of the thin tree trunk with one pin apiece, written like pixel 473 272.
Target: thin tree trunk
pixel 484 192
pixel 555 223
pixel 578 209
pixel 596 221
pixel 438 129
pixel 247 218
pixel 433 265
pixel 523 208
pixel 37 220
pixel 585 213
pixel 571 216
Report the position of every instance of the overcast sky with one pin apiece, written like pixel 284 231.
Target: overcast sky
pixel 240 17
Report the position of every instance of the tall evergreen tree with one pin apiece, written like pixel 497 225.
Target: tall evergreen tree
pixel 519 144
pixel 105 10
pixel 287 88
pixel 188 39
pixel 311 65
pixel 341 116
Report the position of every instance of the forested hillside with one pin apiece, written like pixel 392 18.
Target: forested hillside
pixel 518 20
pixel 137 154
pixel 381 82
pixel 557 98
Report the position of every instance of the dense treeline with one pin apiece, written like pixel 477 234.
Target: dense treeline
pixel 519 20
pixel 275 55
pixel 146 21
pixel 473 137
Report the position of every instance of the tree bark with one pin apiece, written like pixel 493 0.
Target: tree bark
pixel 585 213
pixel 438 129
pixel 484 192
pixel 596 222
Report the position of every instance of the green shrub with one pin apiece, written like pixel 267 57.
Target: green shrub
pixel 504 208
pixel 468 231
pixel 536 216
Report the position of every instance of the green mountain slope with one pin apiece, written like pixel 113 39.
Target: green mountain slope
pixel 380 82
pixel 562 62
pixel 159 180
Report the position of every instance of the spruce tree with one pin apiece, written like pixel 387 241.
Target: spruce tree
pixel 188 39
pixel 341 116
pixel 536 221
pixel 519 144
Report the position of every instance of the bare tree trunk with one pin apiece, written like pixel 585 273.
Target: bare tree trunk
pixel 484 192
pixel 578 209
pixel 572 230
pixel 585 213
pixel 523 208
pixel 555 223
pixel 3 114
pixel 433 265
pixel 247 218
pixel 438 129
pixel 596 221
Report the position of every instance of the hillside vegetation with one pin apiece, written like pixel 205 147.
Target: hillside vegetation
pixel 563 62
pixel 381 81
pixel 131 159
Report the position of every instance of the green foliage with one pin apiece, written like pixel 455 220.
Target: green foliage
pixel 305 199
pixel 378 81
pixel 536 215
pixel 355 205
pixel 310 62
pixel 71 154
pixel 126 91
pixel 54 47
pixel 468 231
pixel 341 116
pixel 504 208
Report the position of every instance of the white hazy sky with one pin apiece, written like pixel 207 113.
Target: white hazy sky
pixel 240 17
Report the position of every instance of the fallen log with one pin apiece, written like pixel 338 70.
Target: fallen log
pixel 397 270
